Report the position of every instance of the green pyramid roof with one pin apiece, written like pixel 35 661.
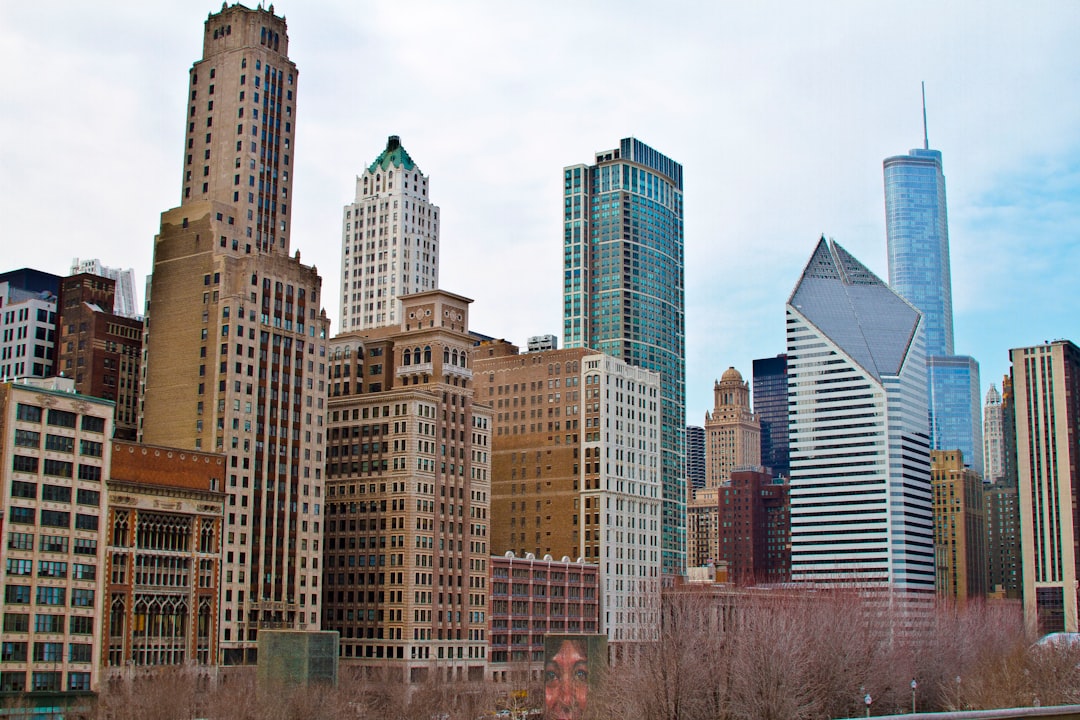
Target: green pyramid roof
pixel 394 154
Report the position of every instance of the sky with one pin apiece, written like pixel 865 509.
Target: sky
pixel 780 113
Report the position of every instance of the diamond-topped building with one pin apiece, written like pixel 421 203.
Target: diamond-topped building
pixel 861 509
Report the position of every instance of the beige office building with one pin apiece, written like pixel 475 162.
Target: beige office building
pixel 576 471
pixel 732 440
pixel 1046 392
pixel 236 336
pixel 54 462
pixel 408 492
pixel 960 535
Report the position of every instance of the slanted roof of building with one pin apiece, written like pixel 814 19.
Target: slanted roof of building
pixel 394 154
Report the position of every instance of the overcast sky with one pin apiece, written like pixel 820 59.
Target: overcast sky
pixel 780 112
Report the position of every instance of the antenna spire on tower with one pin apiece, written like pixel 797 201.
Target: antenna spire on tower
pixel 926 135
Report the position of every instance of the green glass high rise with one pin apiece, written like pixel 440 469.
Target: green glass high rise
pixel 624 295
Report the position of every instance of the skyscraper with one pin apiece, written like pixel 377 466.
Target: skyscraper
pixel 389 241
pixel 695 457
pixel 236 339
pixel 623 292
pixel 771 408
pixel 732 432
pixel 1004 575
pixel 860 462
pixel 1046 381
pixel 993 436
pixel 917 230
pixel 959 528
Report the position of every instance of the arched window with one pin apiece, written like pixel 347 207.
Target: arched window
pixel 454 361
pixel 427 353
pixel 416 356
pixel 446 356
pixel 406 357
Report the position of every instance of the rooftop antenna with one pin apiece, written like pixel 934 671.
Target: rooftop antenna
pixel 926 135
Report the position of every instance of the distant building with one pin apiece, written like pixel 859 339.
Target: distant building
pixel 1004 575
pixel 755 527
pixel 993 437
pixel 624 293
pixel 732 432
pixel 102 350
pixel 860 462
pixel 27 323
pixel 955 399
pixel 576 471
pixel 771 409
pixel 389 241
pixel 125 304
pixel 959 528
pixel 695 457
pixel 538 343
pixel 531 597
pixel 703 527
pixel 161 578
pixel 55 454
pixel 1046 380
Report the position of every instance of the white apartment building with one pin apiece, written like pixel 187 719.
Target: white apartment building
pixel 389 241
pixel 27 332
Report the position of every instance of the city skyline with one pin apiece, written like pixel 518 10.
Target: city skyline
pixel 776 148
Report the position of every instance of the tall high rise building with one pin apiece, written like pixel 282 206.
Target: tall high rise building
pixel 389 241
pixel 771 408
pixel 860 462
pixel 917 229
pixel 125 304
pixel 1046 380
pixel 993 437
pixel 236 339
pixel 576 471
pixel 695 457
pixel 624 292
pixel 732 432
pixel 1004 576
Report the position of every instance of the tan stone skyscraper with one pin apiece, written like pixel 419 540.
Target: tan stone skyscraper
pixel 732 439
pixel 959 528
pixel 236 338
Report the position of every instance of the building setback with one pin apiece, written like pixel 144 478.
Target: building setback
pixel 408 491
pixel 236 339
pixel 959 528
pixel 102 350
pixel 576 471
pixel 54 462
pixel 1046 383
pixel 860 463
pixel 624 291
pixel 389 241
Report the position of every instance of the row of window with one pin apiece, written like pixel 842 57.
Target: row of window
pixel 20 623
pixel 52 518
pixel 48 595
pixel 52 543
pixel 55 468
pixel 43 681
pixel 50 568
pixel 59 418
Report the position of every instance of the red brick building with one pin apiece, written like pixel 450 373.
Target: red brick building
pixel 755 527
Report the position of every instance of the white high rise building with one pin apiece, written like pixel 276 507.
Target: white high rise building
pixel 125 304
pixel 993 436
pixel 389 241
pixel 860 462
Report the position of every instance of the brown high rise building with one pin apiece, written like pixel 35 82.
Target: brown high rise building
pixel 100 349
pixel 576 471
pixel 1046 383
pixel 408 488
pixel 755 527
pixel 236 338
pixel 959 527
pixel 1002 503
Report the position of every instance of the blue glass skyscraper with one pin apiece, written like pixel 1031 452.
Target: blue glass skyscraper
pixel 624 295
pixel 917 231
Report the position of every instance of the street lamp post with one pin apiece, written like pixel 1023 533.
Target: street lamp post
pixel 868 700
pixel 914 685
